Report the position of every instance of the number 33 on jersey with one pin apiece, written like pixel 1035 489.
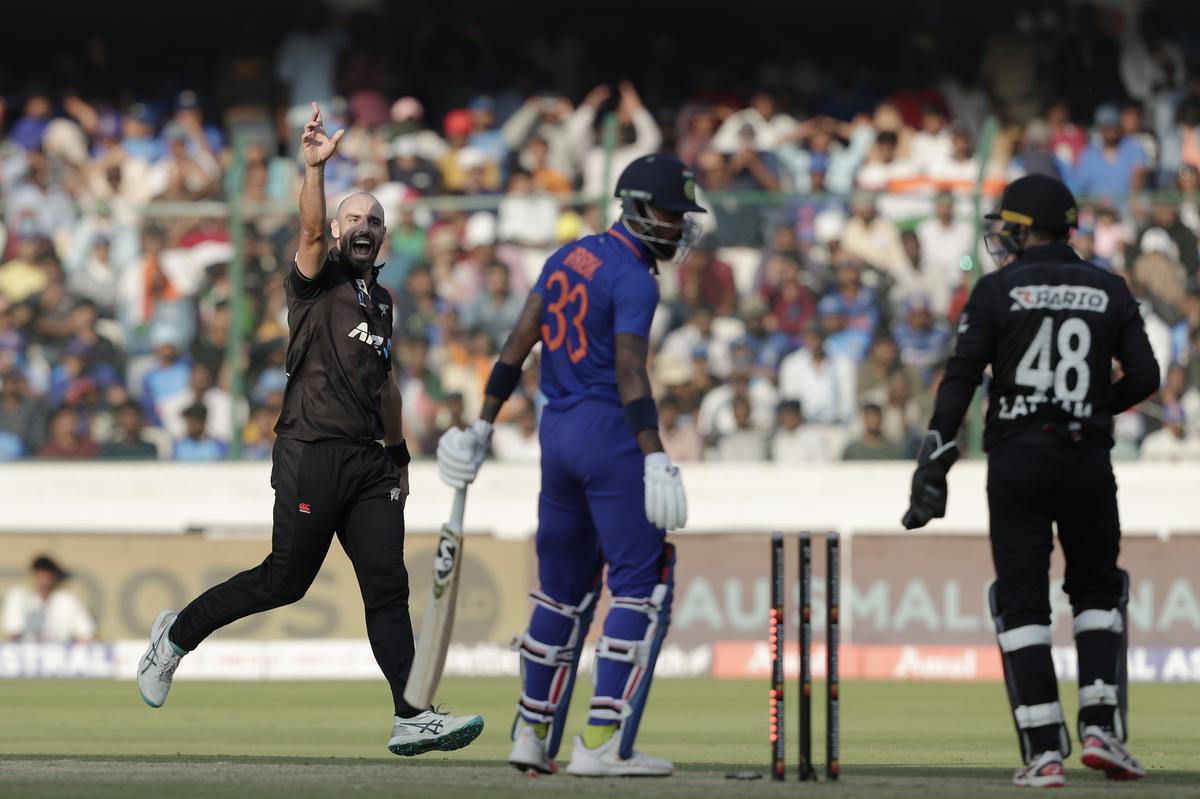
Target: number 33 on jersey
pixel 556 333
pixel 592 290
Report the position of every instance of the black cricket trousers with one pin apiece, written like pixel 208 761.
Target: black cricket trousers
pixel 321 488
pixel 1037 479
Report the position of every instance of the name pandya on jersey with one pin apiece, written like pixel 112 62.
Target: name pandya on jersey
pixel 582 262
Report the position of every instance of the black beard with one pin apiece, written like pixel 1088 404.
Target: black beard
pixel 662 252
pixel 347 257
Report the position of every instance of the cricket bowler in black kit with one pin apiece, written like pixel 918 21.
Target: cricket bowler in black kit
pixel 1050 326
pixel 329 472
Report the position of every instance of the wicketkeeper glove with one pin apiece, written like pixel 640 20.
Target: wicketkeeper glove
pixel 460 453
pixel 666 504
pixel 928 498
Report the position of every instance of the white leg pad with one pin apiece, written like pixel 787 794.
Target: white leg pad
pixel 537 652
pixel 636 653
pixel 537 711
pixel 1021 637
pixel 1102 620
pixel 1100 693
pixel 563 658
pixel 1111 621
pixel 1029 716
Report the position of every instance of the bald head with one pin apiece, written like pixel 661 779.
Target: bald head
pixel 358 229
pixel 363 202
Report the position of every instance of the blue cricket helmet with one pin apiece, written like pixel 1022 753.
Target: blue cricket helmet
pixel 660 181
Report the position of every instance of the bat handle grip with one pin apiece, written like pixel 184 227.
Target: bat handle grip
pixel 458 508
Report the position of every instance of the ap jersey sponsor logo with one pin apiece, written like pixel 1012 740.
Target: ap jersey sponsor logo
pixel 1059 298
pixel 381 345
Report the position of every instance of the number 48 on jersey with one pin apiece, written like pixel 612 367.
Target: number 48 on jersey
pixel 1074 341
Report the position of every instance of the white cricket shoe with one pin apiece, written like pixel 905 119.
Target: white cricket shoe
pixel 1105 753
pixel 604 761
pixel 433 730
pixel 157 667
pixel 529 751
pixel 1042 771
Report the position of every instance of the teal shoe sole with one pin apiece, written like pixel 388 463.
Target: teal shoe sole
pixel 153 627
pixel 147 701
pixel 445 743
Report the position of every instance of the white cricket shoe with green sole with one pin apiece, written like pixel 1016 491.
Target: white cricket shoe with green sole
pixel 157 667
pixel 433 730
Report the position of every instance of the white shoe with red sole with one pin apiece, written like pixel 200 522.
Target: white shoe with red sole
pixel 1044 770
pixel 1103 752
pixel 529 751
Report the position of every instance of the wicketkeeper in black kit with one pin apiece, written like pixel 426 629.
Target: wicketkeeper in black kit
pixel 1050 325
pixel 329 472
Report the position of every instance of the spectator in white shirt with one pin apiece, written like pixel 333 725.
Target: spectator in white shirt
pixel 771 126
pixel 744 442
pixel 797 442
pixel 183 174
pixel 959 169
pixel 641 137
pixel 1171 444
pixel 944 242
pixel 824 385
pixel 1111 236
pixel 716 335
pixel 46 612
pixel 526 216
pixel 517 441
pixel 884 168
pixel 680 343
pixel 716 417
pixel 566 130
pixel 872 237
pixel 681 441
pixel 931 144
pixel 201 389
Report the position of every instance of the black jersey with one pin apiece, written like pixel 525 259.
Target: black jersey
pixel 1050 325
pixel 338 356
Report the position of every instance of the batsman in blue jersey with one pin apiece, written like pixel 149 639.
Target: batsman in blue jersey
pixel 609 493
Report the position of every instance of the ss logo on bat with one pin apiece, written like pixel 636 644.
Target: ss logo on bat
pixel 443 562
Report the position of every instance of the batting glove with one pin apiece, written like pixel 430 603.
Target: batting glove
pixel 929 492
pixel 666 504
pixel 460 453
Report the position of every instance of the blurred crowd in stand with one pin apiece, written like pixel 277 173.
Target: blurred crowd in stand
pixel 811 323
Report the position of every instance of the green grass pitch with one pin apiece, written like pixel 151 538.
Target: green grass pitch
pixel 217 740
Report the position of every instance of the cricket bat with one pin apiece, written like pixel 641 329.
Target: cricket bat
pixel 438 624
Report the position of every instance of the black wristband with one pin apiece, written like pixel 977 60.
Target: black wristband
pixel 642 414
pixel 503 380
pixel 399 454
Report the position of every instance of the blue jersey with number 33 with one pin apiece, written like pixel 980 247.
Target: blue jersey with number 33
pixel 592 290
